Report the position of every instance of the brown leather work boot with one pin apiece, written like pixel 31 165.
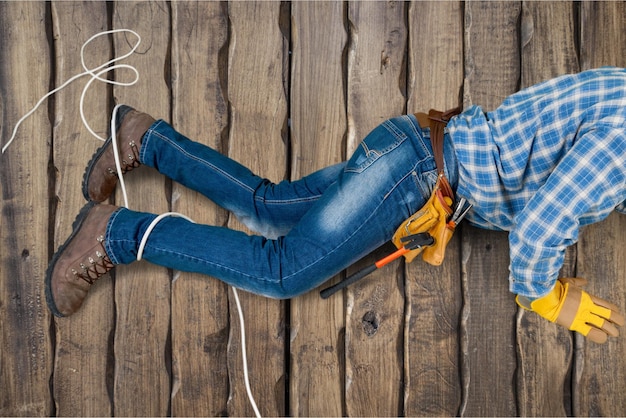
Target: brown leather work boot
pixel 100 176
pixel 80 261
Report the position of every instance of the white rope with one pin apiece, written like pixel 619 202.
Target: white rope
pixel 96 74
pixel 116 154
pixel 244 360
pixel 155 221
pixel 242 324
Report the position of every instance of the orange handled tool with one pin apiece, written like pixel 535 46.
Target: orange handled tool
pixel 411 242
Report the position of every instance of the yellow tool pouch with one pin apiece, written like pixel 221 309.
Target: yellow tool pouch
pixel 431 218
pixel 435 216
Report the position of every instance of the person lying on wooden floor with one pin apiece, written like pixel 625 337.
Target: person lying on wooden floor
pixel 549 160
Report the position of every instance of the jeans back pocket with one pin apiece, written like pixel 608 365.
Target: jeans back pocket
pixel 382 140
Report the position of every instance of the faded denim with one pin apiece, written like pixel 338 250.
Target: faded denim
pixel 311 229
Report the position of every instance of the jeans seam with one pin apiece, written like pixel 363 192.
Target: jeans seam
pixel 146 140
pixel 223 173
pixel 286 201
pixel 108 241
pixel 386 196
pixel 184 256
pixel 426 156
pixel 374 155
pixel 200 160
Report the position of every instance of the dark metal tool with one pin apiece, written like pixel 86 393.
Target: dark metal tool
pixel 411 242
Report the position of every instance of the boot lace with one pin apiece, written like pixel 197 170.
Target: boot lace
pixel 129 162
pixel 95 266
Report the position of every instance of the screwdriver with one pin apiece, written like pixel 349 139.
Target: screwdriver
pixel 411 242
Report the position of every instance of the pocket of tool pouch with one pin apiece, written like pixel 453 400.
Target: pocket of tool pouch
pixel 378 143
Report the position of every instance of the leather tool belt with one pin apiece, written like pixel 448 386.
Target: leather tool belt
pixel 439 216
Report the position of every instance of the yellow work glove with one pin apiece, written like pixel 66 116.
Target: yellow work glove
pixel 569 306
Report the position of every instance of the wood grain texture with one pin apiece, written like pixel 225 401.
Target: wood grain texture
pixel 142 291
pixel 318 124
pixel 492 72
pixel 602 34
pixel 26 351
pixel 200 320
pixel 433 294
pixel 83 355
pixel 287 88
pixel 548 41
pixel 488 326
pixel 258 108
pixel 545 350
pixel 376 80
pixel 600 370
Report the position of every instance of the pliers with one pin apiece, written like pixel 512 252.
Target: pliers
pixel 459 213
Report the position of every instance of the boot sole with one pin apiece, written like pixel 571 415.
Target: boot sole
pixel 121 114
pixel 78 223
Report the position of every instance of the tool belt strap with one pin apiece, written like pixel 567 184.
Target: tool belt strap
pixel 433 218
pixel 436 120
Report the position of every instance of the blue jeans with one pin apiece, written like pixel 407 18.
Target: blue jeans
pixel 313 227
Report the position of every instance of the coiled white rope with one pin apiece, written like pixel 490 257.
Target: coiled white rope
pixel 96 74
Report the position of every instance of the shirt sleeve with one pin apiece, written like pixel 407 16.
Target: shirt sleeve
pixel 585 187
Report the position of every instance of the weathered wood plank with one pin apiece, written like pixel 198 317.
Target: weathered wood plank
pixel 75 382
pixel 548 32
pixel 433 294
pixel 318 129
pixel 545 349
pixel 488 323
pixel 26 350
pixel 601 370
pixel 82 340
pixel 258 106
pixel 488 357
pixel 376 66
pixel 142 291
pixel 375 306
pixel 199 303
pixel 602 34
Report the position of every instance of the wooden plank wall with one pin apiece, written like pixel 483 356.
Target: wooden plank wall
pixel 287 88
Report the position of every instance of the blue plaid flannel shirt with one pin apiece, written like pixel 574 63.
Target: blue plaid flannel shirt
pixel 550 159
